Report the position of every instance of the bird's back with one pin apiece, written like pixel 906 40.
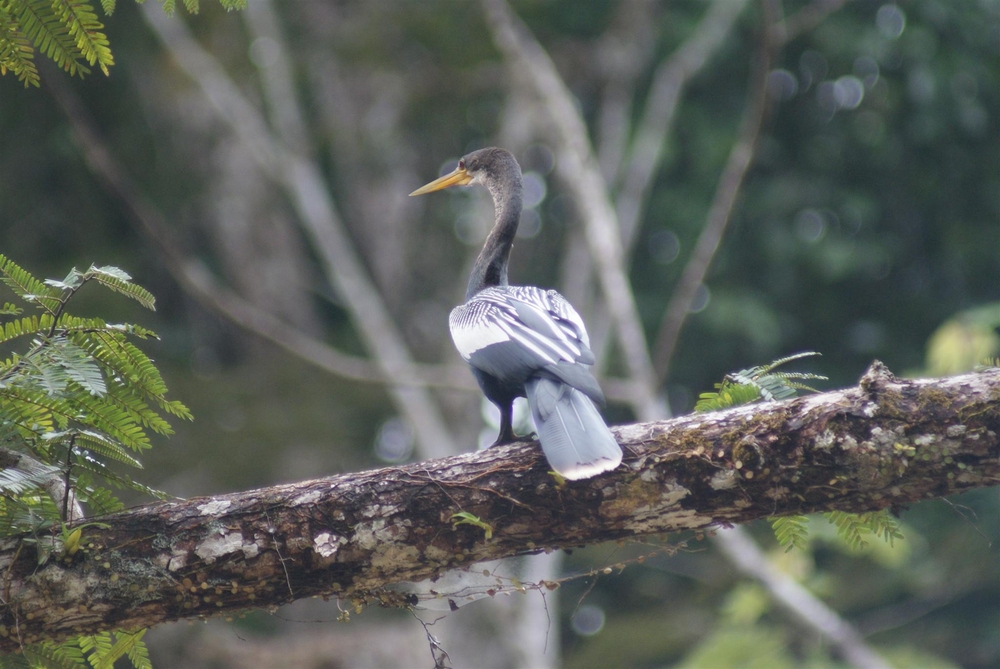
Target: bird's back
pixel 516 332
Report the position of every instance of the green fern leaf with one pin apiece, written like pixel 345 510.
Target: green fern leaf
pixel 231 5
pixel 100 501
pixel 16 53
pixel 728 395
pixel 138 655
pixel 96 646
pixel 108 6
pixel 41 23
pixel 65 655
pixel 27 287
pixel 35 411
pixel 17 482
pixel 20 327
pixel 94 495
pixel 84 27
pixel 125 642
pixel 78 365
pixel 790 531
pixel 124 398
pixel 101 445
pixel 191 6
pixel 9 309
pixel 850 527
pixel 119 281
pixel 110 420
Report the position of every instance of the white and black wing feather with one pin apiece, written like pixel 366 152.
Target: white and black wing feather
pixel 511 332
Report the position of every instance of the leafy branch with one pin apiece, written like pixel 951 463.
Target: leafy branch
pixel 74 408
pixel 67 31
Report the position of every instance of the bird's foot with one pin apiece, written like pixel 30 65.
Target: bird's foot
pixel 505 437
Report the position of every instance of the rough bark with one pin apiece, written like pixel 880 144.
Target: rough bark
pixel 887 443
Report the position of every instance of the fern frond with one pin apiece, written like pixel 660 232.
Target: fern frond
pixel 119 281
pixel 987 363
pixel 65 655
pixel 85 29
pixel 850 527
pixel 16 53
pixel 9 309
pixel 231 5
pixel 727 395
pixel 96 646
pixel 123 397
pixel 101 445
pixel 17 482
pixel 138 655
pixel 125 642
pixel 108 6
pixel 20 327
pixel 78 365
pixel 26 286
pixel 761 382
pixel 790 531
pixel 125 359
pixel 100 501
pixel 112 421
pixel 191 6
pixel 41 23
pixel 34 410
pixel 88 493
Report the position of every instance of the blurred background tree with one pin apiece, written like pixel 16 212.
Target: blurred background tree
pixel 867 226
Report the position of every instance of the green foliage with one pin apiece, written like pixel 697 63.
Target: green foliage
pixel 75 407
pixel 67 31
pixel 854 527
pixel 757 383
pixel 964 340
pixel 790 531
pixel 466 518
pixel 763 383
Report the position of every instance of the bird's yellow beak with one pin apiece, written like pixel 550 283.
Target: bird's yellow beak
pixel 457 178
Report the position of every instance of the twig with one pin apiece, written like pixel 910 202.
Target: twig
pixel 438 653
pixel 657 118
pixel 302 180
pixel 272 530
pixel 720 210
pixel 68 482
pixel 578 169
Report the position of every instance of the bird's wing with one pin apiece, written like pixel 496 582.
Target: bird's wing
pixel 540 323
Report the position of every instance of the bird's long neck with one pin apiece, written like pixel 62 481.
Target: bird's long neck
pixel 491 265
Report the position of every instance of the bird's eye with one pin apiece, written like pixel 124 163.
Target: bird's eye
pixel 461 164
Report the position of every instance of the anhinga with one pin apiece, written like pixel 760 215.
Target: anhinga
pixel 523 341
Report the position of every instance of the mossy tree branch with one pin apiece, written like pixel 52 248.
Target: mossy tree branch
pixel 887 443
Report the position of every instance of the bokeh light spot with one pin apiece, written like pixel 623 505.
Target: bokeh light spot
pixel 890 21
pixel 589 620
pixel 394 441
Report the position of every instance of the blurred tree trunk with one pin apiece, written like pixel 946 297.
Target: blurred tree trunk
pixel 885 444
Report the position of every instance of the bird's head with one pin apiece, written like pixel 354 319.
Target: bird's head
pixel 492 167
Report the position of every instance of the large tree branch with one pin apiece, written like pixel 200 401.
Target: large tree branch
pixel 885 444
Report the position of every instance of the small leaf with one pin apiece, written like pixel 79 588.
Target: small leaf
pixel 466 518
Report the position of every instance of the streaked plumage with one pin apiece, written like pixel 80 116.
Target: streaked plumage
pixel 522 341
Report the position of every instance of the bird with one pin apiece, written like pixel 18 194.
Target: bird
pixel 524 341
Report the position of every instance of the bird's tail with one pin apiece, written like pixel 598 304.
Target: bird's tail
pixel 574 438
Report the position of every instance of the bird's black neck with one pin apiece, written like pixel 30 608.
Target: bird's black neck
pixel 491 265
